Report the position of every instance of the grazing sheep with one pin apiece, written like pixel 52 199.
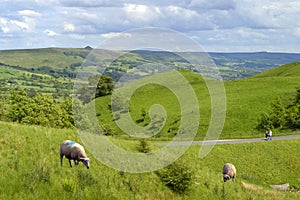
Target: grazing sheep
pixel 73 151
pixel 229 172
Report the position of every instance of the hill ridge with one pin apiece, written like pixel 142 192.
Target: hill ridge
pixel 288 70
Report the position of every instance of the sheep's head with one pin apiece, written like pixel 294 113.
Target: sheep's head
pixel 86 162
pixel 226 177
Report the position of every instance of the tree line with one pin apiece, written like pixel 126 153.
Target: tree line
pixel 39 109
pixel 26 107
pixel 282 115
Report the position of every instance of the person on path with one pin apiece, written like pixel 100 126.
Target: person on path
pixel 270 135
pixel 267 134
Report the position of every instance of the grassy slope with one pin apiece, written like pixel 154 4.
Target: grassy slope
pixel 30 166
pixel 30 61
pixel 34 58
pixel 246 100
pixel 288 70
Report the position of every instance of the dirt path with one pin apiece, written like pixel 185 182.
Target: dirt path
pixel 230 141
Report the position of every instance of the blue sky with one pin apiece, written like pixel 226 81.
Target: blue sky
pixel 216 25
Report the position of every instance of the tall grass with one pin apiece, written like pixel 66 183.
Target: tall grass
pixel 30 169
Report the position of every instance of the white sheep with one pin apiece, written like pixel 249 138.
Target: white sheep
pixel 229 172
pixel 73 151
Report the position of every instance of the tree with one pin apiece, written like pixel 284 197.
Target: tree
pixel 293 116
pixel 278 114
pixel 105 86
pixel 281 116
pixel 274 119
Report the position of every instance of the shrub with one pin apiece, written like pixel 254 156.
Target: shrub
pixel 143 146
pixel 177 176
pixel 107 130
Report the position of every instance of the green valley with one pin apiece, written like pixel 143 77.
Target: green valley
pixel 37 88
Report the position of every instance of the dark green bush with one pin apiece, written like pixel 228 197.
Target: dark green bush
pixel 177 176
pixel 143 146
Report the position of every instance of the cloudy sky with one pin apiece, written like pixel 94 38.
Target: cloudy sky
pixel 216 25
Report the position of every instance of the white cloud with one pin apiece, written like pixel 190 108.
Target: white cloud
pixel 50 32
pixel 182 12
pixel 13 26
pixel 31 13
pixel 69 27
pixel 114 34
pixel 139 12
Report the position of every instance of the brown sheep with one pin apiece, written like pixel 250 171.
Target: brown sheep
pixel 229 172
pixel 73 151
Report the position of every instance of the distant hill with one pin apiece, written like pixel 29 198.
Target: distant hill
pixel 53 70
pixel 66 61
pixel 287 70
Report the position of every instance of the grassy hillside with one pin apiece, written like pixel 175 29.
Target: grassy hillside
pixel 288 70
pixel 246 99
pixel 54 58
pixel 31 170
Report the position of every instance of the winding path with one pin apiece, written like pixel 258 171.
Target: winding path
pixel 230 141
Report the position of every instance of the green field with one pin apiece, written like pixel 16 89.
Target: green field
pixel 246 100
pixel 31 170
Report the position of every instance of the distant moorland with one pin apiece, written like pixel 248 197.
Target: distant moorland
pixel 52 70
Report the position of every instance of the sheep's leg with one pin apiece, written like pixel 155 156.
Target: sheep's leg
pixel 70 163
pixel 76 162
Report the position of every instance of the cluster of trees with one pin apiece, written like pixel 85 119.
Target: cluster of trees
pixel 282 116
pixel 39 110
pixel 30 107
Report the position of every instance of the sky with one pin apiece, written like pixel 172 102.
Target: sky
pixel 216 25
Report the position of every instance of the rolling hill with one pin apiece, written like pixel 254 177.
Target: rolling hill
pixel 246 100
pixel 53 70
pixel 287 70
